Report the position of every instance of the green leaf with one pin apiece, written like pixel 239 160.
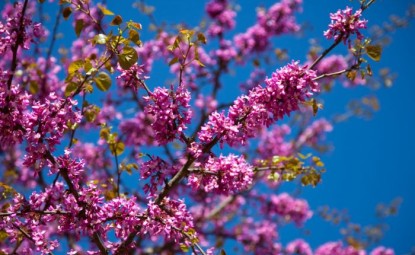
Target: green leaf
pixel 79 25
pixel 374 51
pixel 117 148
pixel 103 81
pixel 116 21
pixel 70 88
pixel 75 66
pixel 66 12
pixel 127 58
pixel 222 252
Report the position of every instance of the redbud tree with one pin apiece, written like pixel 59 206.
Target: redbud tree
pixel 100 156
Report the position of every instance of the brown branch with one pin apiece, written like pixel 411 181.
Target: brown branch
pixel 15 47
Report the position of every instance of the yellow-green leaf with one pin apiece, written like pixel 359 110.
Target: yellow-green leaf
pixel 91 113
pixel 104 133
pixel 127 58
pixel 33 87
pixel 70 88
pixel 100 39
pixel 134 37
pixel 103 81
pixel 75 66
pixel 105 11
pixel 117 148
pixel 174 61
pixel 374 52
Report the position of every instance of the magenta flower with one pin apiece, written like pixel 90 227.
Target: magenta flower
pixel 288 208
pixel 344 24
pixel 223 175
pixel 382 251
pixel 170 112
pixel 298 247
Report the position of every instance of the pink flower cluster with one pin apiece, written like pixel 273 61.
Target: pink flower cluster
pixel 138 130
pixel 224 17
pixel 314 133
pixel 226 52
pixel 171 219
pixel 13 104
pixel 131 78
pixel 298 247
pixel 258 237
pixel 158 170
pixel 345 23
pixel 74 169
pixel 45 127
pixel 223 175
pixel 284 91
pixel 273 142
pixel 288 208
pixel 170 112
pixel 121 215
pixel 277 20
pixel 14 32
pixel 337 248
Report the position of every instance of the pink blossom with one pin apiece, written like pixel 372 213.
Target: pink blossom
pixel 314 133
pixel 223 175
pixel 13 104
pixel 223 16
pixel 168 219
pixel 138 130
pixel 298 247
pixel 170 111
pixel 131 78
pixel 284 91
pixel 289 208
pixel 45 127
pixel 382 251
pixel 260 237
pixel 278 19
pixel 273 142
pixel 344 24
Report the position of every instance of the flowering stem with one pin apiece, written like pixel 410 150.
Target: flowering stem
pixel 15 47
pixel 26 234
pixel 326 51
